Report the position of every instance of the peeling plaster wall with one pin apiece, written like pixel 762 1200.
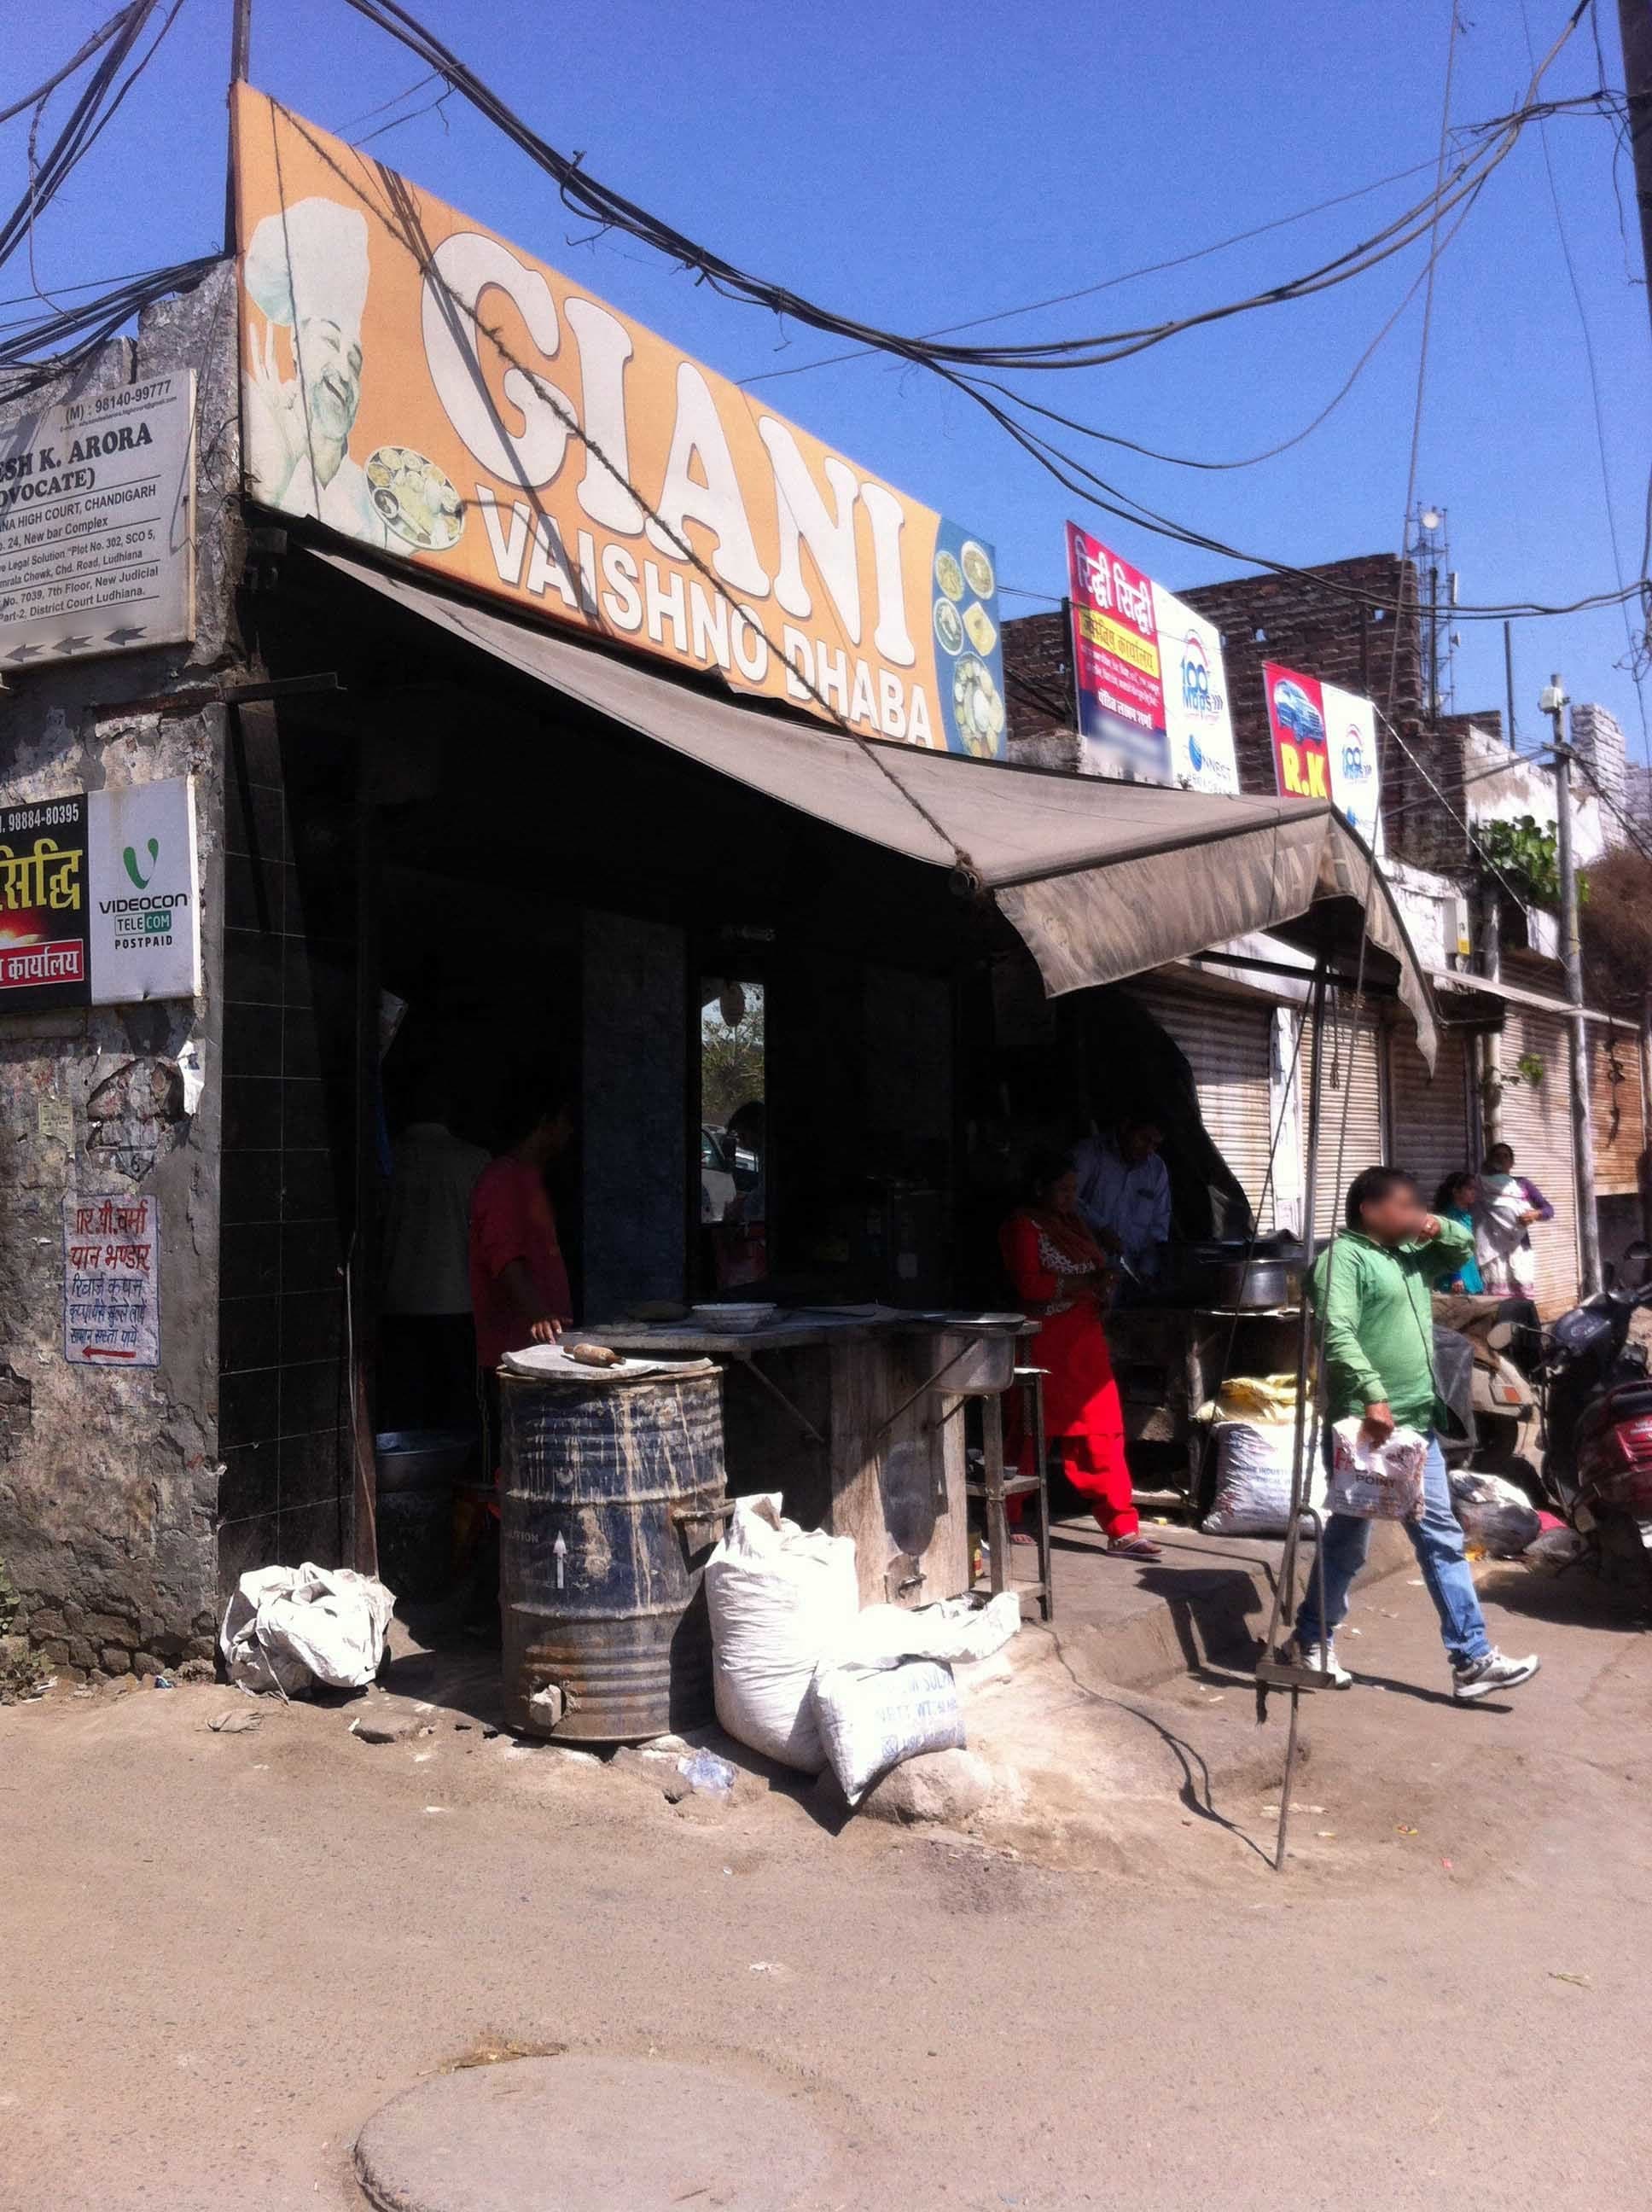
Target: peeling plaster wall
pixel 108 1481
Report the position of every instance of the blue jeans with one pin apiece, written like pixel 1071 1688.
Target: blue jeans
pixel 1437 1540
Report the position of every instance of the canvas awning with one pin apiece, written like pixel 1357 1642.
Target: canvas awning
pixel 1101 880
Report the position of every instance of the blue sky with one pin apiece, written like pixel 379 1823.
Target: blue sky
pixel 916 166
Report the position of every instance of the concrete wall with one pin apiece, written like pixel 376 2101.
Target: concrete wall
pixel 108 1481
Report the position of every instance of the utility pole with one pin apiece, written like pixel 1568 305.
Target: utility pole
pixel 240 48
pixel 1635 25
pixel 1552 702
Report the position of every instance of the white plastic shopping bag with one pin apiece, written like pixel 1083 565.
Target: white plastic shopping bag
pixel 1376 1482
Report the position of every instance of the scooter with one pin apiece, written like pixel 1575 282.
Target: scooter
pixel 1507 1431
pixel 1598 1417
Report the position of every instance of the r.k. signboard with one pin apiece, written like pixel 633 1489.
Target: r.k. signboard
pixel 416 382
pixel 1325 746
pixel 99 898
pixel 1152 689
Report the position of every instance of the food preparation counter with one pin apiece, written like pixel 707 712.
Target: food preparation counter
pixel 856 1418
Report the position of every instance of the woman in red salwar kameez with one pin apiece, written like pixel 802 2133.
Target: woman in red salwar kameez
pixel 1061 1276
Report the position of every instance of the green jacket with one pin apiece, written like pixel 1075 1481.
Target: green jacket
pixel 1373 1302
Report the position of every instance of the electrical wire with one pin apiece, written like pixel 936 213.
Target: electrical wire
pixel 99 101
pixel 1106 283
pixel 584 195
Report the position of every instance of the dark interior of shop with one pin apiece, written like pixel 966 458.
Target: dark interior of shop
pixel 804 1062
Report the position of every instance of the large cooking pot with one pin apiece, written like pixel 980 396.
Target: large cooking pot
pixel 1229 1271
pixel 1251 1285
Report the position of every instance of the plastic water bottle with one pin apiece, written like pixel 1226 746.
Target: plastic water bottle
pixel 706 1775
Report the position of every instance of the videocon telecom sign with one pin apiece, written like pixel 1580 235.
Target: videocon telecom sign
pixel 99 898
pixel 418 384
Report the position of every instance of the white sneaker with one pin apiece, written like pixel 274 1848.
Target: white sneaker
pixel 1489 1674
pixel 1322 1658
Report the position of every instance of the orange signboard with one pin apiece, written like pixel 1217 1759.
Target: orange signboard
pixel 414 382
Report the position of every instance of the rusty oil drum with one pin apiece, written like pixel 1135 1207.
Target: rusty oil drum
pixel 631 1476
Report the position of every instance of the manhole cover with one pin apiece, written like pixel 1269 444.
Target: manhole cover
pixel 588 2135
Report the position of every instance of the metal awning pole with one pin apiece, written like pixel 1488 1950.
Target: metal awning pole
pixel 1285 1595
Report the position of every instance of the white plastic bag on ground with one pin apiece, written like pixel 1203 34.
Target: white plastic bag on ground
pixel 1253 1489
pixel 781 1597
pixel 286 1628
pixel 1494 1512
pixel 873 1713
pixel 1376 1482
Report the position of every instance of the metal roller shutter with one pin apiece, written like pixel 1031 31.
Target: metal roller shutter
pixel 1532 1117
pixel 1432 1133
pixel 1618 1108
pixel 1352 1122
pixel 1227 1042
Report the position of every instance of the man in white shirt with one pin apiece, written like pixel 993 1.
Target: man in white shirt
pixel 428 1362
pixel 1124 1195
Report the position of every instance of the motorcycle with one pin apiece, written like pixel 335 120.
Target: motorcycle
pixel 1597 1400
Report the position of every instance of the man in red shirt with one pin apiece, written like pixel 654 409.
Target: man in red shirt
pixel 519 1280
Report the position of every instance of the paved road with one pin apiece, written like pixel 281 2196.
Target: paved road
pixel 222 1952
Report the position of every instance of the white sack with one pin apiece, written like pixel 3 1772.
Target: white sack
pixel 780 1597
pixel 1376 1482
pixel 287 1626
pixel 873 1714
pixel 1253 1492
pixel 954 1631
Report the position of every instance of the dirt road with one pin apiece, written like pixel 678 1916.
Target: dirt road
pixel 223 1952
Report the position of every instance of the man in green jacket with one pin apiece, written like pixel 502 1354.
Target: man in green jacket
pixel 1371 1292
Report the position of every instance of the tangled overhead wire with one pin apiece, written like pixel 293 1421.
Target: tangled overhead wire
pixel 962 366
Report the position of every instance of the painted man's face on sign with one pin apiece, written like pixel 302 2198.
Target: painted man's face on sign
pixel 332 376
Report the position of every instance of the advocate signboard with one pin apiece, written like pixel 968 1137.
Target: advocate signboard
pixel 97 525
pixel 416 382
pixel 99 898
pixel 1152 689
pixel 1324 746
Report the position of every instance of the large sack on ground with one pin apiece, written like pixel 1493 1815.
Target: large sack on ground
pixel 1252 1482
pixel 781 1597
pixel 287 1627
pixel 875 1712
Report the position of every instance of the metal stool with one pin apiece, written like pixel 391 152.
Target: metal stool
pixel 996 1486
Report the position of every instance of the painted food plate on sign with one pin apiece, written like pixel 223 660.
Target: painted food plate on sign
pixel 977 707
pixel 948 627
pixel 948 575
pixel 983 631
pixel 978 568
pixel 415 498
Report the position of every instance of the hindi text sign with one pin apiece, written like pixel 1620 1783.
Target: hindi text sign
pixel 1151 688
pixel 111 1280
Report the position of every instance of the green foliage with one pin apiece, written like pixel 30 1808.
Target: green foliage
pixel 1524 852
pixel 1530 1068
pixel 731 1060
pixel 21 1672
